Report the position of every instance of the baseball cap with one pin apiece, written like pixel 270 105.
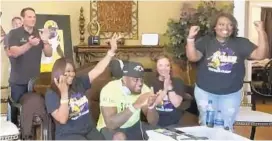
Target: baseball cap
pixel 133 69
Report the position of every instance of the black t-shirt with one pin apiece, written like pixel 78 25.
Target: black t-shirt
pixel 168 114
pixel 26 66
pixel 221 70
pixel 80 120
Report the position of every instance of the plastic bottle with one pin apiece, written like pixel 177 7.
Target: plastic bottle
pixel 219 121
pixel 210 114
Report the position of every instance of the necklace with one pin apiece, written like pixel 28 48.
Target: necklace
pixel 223 43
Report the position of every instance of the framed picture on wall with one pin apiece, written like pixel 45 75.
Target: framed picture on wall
pixel 60 38
pixel 114 17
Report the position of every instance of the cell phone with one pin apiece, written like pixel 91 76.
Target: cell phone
pixel 57 76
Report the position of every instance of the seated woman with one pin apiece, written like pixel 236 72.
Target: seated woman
pixel 66 100
pixel 172 100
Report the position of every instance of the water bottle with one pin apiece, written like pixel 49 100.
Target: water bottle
pixel 9 113
pixel 210 115
pixel 219 122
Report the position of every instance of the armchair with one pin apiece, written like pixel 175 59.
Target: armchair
pixel 37 121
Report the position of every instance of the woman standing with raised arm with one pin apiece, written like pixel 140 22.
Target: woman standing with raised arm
pixel 220 60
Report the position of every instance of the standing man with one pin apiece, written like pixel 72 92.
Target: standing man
pixel 25 45
pixel 16 22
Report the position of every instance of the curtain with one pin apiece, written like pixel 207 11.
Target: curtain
pixel 266 17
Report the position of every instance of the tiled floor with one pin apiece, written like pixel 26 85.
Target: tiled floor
pixel 262 133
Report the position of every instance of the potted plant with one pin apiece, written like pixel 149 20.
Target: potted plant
pixel 178 30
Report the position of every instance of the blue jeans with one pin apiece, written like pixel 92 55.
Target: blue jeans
pixel 17 91
pixel 228 104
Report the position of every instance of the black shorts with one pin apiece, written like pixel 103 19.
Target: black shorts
pixel 93 134
pixel 136 132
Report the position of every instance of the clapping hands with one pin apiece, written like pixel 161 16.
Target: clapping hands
pixel 44 34
pixel 33 41
pixel 146 99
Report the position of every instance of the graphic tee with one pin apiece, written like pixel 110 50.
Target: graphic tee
pixel 221 69
pixel 165 105
pixel 80 120
pixel 112 95
pixel 222 60
pixel 78 106
pixel 168 114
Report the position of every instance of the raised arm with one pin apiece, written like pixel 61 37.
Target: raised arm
pixel 47 48
pixel 261 51
pixel 192 53
pixel 101 65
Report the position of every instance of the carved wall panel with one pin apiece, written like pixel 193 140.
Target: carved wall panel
pixel 115 16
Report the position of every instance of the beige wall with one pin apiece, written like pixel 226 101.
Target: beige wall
pixel 153 17
pixel 11 9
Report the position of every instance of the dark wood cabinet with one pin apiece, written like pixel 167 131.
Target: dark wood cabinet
pixel 86 54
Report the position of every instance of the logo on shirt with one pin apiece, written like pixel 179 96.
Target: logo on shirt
pixel 78 105
pixel 23 40
pixel 165 106
pixel 123 106
pixel 222 61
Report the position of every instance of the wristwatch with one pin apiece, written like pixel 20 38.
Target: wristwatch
pixel 171 90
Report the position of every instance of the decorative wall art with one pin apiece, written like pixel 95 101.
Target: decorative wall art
pixel 114 16
pixel 60 38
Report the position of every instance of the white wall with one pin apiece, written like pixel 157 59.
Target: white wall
pixel 254 14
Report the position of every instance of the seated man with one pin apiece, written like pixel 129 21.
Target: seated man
pixel 121 102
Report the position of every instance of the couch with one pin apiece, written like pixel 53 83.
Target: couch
pixel 113 71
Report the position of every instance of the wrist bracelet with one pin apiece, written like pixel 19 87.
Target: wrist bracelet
pixel 190 39
pixel 64 101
